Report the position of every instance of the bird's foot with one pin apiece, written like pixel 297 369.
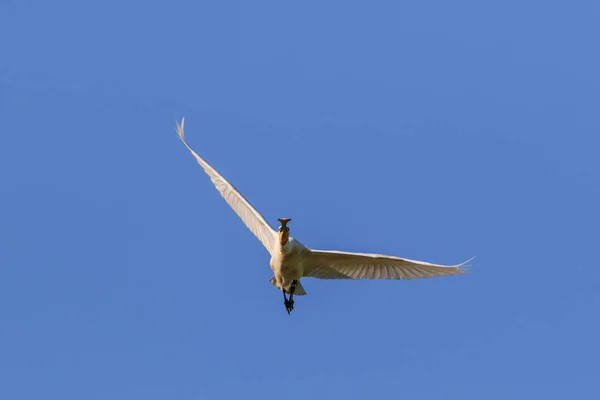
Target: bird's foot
pixel 289 306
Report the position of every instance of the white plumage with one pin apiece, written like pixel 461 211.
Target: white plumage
pixel 291 260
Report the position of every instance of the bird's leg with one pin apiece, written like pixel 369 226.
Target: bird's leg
pixel 286 302
pixel 289 304
pixel 292 290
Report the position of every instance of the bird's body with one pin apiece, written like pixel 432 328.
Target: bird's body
pixel 287 263
pixel 291 260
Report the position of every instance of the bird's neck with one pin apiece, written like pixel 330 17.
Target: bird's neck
pixel 285 248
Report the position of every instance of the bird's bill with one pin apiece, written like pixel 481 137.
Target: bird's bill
pixel 284 221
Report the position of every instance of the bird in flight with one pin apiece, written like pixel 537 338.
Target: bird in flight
pixel 291 260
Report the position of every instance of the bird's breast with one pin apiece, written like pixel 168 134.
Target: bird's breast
pixel 287 262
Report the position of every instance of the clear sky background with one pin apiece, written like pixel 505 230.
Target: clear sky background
pixel 433 130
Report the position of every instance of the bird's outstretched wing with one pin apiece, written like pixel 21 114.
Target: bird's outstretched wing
pixel 242 207
pixel 343 265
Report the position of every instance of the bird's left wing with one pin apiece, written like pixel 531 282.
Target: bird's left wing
pixel 242 207
pixel 343 265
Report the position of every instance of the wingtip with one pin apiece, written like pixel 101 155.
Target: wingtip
pixel 179 128
pixel 465 266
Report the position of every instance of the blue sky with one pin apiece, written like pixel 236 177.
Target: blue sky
pixel 431 130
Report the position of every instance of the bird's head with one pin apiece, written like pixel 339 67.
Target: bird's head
pixel 284 231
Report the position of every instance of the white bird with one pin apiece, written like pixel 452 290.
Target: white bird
pixel 291 260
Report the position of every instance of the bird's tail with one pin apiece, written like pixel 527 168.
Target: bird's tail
pixel 299 289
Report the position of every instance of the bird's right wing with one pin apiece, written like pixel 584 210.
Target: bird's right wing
pixel 242 207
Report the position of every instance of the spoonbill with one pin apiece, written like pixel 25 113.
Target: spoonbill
pixel 291 260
